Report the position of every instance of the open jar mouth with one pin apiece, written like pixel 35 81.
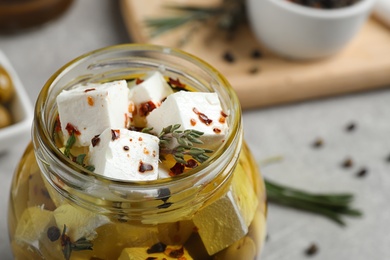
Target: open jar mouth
pixel 114 63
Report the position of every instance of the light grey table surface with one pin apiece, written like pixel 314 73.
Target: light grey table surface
pixel 287 131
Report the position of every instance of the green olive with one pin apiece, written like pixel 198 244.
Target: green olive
pixel 5 117
pixel 6 86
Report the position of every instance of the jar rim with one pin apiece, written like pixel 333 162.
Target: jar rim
pixel 44 131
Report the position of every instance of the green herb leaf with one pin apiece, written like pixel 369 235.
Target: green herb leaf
pixel 69 144
pixel 332 206
pixel 185 140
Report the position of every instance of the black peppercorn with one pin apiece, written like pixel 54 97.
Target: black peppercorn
pixel 53 233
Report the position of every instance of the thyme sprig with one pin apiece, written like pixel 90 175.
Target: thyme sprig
pixel 330 205
pixel 226 16
pixel 79 159
pixel 185 140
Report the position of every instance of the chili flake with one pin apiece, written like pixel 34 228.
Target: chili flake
pixel 95 140
pixel 177 169
pixel 176 83
pixel 90 89
pixel 144 167
pixel 191 163
pixel 138 81
pixel 115 134
pixel 146 108
pixel 175 253
pixel 72 129
pixel 217 130
pixel 90 101
pixel 202 117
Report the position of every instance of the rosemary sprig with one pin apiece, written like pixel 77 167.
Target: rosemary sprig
pixel 227 16
pixel 332 206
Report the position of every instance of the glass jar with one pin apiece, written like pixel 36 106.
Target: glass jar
pixel 60 210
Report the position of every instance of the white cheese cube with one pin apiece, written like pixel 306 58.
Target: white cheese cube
pixel 125 155
pixel 89 109
pixel 226 220
pixel 192 110
pixel 148 95
pixel 79 222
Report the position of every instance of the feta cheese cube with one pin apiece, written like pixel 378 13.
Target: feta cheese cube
pixel 79 222
pixel 125 155
pixel 192 110
pixel 147 95
pixel 89 109
pixel 227 219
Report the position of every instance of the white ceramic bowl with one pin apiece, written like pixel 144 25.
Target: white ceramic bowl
pixel 299 32
pixel 21 110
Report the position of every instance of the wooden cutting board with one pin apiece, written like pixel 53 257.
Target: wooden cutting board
pixel 364 64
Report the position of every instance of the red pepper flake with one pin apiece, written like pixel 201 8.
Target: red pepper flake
pixel 177 169
pixel 115 134
pixel 193 122
pixel 202 117
pixel 138 81
pixel 72 129
pixel 191 163
pixel 95 140
pixel 146 108
pixel 144 167
pixel 176 83
pixel 57 124
pixel 217 130
pixel 90 101
pixel 90 89
pixel 174 253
